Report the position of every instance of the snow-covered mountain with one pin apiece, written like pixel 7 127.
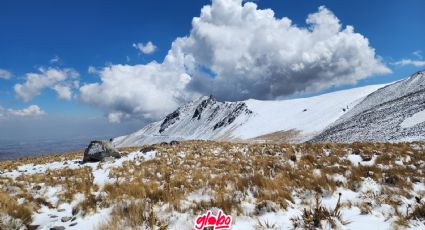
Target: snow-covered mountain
pixel 294 120
pixel 391 112
pixel 205 118
pixel 395 112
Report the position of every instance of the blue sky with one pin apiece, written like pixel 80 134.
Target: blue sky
pixel 80 34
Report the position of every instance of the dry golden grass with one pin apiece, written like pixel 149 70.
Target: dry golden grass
pixel 277 137
pixel 10 205
pixel 272 173
pixel 133 215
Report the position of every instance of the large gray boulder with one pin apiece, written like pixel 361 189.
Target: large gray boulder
pixel 99 150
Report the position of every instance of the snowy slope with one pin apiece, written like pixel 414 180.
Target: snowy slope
pixel 308 115
pixel 207 118
pixel 392 113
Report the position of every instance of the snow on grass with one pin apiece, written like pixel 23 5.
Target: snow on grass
pixel 265 160
pixel 100 175
pixel 358 221
pixel 356 159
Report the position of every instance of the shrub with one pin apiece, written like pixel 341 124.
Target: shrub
pixel 313 218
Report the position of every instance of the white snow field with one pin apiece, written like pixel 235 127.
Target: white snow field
pixel 308 115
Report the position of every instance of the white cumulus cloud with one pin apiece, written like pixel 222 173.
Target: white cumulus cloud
pixel 146 91
pixel 236 51
pixel 147 48
pixel 30 111
pixel 60 80
pixel 256 55
pixel 4 74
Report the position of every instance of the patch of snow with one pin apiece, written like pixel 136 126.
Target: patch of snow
pixel 369 185
pixel 359 221
pixel 355 159
pixel 417 118
pixel 198 196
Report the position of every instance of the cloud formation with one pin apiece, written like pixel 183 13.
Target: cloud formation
pixel 417 53
pixel 236 51
pixel 30 111
pixel 63 81
pixel 145 91
pixel 4 74
pixel 417 62
pixel 147 48
pixel 55 59
pixel 404 62
pixel 256 55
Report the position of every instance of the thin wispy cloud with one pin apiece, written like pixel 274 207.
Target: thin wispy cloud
pixel 56 59
pixel 30 111
pixel 405 62
pixel 417 62
pixel 5 75
pixel 418 54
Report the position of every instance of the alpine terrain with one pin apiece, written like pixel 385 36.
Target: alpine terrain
pixel 393 112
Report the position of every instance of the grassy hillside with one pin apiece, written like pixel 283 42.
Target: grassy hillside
pixel 263 186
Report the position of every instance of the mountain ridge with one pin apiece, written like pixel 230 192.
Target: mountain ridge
pixel 368 113
pixel 379 117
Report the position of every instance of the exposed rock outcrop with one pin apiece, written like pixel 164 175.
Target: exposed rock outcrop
pixel 99 150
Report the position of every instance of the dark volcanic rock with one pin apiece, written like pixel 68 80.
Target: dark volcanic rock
pixel 66 218
pixel 169 120
pixel 146 149
pixel 99 150
pixel 240 108
pixel 33 227
pixel 173 143
pixel 57 228
pixel 198 111
pixel 163 143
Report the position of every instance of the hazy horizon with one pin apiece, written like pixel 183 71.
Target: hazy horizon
pixel 81 69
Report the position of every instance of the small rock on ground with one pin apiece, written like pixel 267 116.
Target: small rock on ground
pixel 33 227
pixel 58 228
pixel 66 219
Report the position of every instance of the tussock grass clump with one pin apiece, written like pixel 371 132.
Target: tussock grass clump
pixel 418 211
pixel 9 205
pixel 266 225
pixel 316 217
pixel 133 214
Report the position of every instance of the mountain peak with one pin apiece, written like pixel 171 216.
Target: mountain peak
pixel 376 112
pixel 205 102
